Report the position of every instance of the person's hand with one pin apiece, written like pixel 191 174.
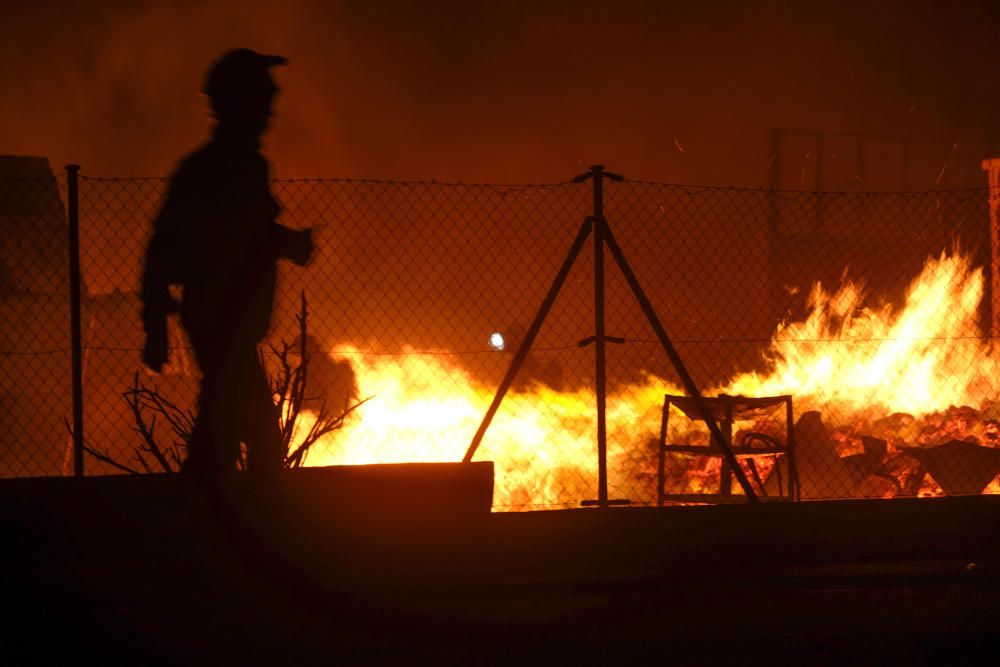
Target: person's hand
pixel 155 351
pixel 301 247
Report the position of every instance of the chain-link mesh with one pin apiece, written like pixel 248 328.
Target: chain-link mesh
pixel 35 394
pixel 871 311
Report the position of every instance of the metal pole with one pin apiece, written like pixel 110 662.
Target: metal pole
pixel 774 264
pixel 600 337
pixel 600 360
pixel 529 338
pixel 76 335
pixel 992 169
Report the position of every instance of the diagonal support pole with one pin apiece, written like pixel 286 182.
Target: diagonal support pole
pixel 529 338
pixel 676 360
pixel 603 237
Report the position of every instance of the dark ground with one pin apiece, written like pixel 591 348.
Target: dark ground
pixel 405 564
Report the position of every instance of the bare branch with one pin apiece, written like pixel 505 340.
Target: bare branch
pixel 325 423
pixel 135 398
pixel 283 381
pixel 181 421
pixel 101 456
pixel 296 378
pixel 288 385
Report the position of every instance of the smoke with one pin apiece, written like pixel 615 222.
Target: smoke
pixel 496 91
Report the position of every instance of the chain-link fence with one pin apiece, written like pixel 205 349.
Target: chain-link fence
pixel 871 312
pixel 35 365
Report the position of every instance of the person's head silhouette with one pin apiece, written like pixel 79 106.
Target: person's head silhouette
pixel 241 90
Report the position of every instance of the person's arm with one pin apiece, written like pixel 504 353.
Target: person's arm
pixel 162 268
pixel 283 242
pixel 293 244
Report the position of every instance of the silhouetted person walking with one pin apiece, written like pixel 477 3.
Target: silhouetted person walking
pixel 217 238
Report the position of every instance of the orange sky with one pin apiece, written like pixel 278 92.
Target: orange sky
pixel 498 91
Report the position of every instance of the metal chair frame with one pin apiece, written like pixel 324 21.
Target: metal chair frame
pixel 727 409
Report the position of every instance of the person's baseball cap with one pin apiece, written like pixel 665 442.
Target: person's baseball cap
pixel 238 70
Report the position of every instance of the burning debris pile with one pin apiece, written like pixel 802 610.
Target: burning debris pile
pixel 893 402
pixel 953 451
pixel 889 402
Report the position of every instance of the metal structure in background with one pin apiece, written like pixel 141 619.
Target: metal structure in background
pixel 409 279
pixel 992 169
pixel 597 224
pixel 850 162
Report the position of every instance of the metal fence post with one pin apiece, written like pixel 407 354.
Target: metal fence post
pixel 600 357
pixel 76 336
pixel 597 174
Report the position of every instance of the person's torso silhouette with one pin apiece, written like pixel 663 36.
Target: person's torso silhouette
pixel 217 237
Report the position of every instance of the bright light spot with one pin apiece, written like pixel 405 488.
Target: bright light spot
pixel 496 340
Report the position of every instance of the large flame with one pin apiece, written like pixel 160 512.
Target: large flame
pixel 924 357
pixel 854 363
pixel 422 408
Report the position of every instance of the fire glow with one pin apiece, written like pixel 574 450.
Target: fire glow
pixel 918 360
pixel 858 366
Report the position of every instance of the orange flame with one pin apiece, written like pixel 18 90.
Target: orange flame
pixel 844 358
pixel 424 409
pixel 852 363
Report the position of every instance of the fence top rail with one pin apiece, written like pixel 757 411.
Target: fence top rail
pixel 27 179
pixel 691 187
pixel 790 192
pixel 357 181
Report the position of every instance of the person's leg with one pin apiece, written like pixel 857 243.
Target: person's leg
pixel 215 439
pixel 201 460
pixel 265 447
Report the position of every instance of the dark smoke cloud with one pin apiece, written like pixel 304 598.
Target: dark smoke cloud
pixel 499 91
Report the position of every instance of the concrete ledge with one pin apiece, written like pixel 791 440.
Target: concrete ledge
pixel 403 557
